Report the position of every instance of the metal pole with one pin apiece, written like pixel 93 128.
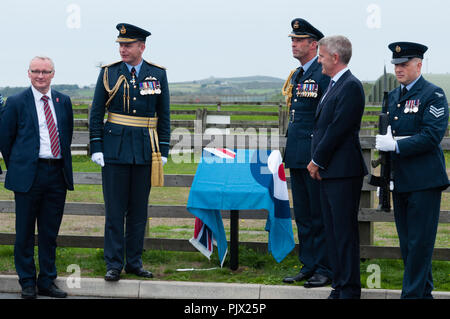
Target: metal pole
pixel 234 239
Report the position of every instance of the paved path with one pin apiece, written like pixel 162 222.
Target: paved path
pixel 155 289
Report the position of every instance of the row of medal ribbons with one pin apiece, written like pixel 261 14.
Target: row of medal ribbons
pixel 411 106
pixel 307 90
pixel 150 87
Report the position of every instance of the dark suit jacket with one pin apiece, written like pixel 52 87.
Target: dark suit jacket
pixel 335 143
pixel 19 138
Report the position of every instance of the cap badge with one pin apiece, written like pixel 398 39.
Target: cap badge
pixel 296 25
pixel 123 30
pixel 398 49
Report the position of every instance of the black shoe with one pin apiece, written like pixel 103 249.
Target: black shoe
pixel 317 280
pixel 29 292
pixel 299 277
pixel 141 272
pixel 112 275
pixel 334 294
pixel 52 291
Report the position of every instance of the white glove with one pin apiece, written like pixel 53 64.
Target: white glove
pixel 97 158
pixel 163 160
pixel 385 142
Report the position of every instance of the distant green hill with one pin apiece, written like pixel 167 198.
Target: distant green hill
pixel 214 80
pixel 441 80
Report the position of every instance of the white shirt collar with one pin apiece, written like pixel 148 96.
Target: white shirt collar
pixel 339 74
pixel 38 95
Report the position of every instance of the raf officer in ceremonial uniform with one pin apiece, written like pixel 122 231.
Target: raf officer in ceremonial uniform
pixel 418 117
pixel 303 90
pixel 131 147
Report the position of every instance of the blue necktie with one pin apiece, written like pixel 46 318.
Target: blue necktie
pixel 328 90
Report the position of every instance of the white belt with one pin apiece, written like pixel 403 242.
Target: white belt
pixel 397 138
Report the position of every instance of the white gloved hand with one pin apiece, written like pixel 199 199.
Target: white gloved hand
pixel 385 142
pixel 97 158
pixel 164 160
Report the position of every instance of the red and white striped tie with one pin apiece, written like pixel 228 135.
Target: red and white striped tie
pixel 52 131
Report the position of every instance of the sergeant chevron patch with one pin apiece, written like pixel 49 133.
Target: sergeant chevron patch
pixel 437 112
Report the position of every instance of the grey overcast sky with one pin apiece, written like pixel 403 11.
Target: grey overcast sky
pixel 196 39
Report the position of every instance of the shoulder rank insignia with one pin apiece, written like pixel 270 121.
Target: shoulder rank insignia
pixel 111 64
pixel 158 66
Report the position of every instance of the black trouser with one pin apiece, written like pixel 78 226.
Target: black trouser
pixel 126 190
pixel 43 203
pixel 340 206
pixel 416 218
pixel 309 220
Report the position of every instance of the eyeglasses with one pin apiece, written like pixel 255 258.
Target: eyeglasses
pixel 43 72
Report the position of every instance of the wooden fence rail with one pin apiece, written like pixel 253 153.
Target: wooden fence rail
pixel 367 214
pixel 201 115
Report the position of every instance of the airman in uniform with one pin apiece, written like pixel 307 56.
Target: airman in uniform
pixel 418 117
pixel 303 90
pixel 131 146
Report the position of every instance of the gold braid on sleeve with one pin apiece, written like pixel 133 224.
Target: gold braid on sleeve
pixel 287 89
pixel 112 92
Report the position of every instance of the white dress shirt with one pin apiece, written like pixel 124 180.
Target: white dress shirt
pixel 45 150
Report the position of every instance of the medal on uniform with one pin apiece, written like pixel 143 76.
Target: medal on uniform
pixel 307 89
pixel 144 89
pixel 158 88
pixel 411 106
pixel 150 86
pixel 407 107
pixel 416 106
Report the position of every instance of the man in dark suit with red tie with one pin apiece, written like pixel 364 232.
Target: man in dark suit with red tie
pixel 35 135
pixel 338 163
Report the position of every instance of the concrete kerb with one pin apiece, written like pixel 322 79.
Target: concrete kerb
pixel 155 289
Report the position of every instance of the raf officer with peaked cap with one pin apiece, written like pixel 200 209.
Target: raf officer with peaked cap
pixel 303 90
pixel 131 146
pixel 418 117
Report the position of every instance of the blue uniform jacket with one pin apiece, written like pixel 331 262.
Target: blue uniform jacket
pixel 306 95
pixel 335 144
pixel 126 144
pixel 420 164
pixel 20 143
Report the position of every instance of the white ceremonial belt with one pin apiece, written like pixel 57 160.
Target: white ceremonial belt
pixel 397 138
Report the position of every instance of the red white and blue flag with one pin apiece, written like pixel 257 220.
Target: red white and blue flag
pixel 203 238
pixel 239 180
